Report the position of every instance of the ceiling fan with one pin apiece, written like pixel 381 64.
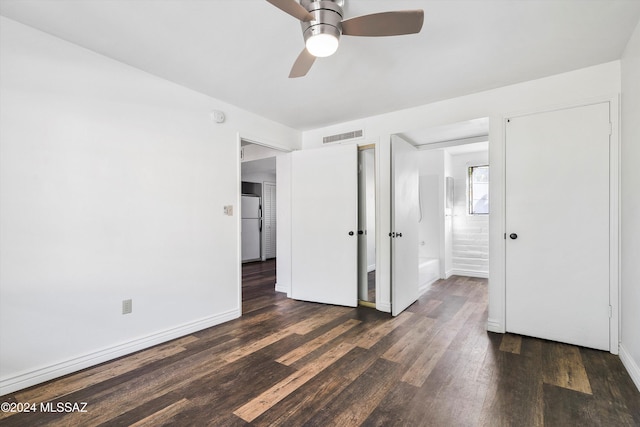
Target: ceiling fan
pixel 322 26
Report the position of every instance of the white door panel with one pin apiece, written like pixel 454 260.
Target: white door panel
pixel 404 220
pixel 557 203
pixel 324 197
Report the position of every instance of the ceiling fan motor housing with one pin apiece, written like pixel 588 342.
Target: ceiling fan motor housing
pixel 327 18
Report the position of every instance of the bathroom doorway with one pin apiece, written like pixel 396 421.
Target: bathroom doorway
pixel 454 214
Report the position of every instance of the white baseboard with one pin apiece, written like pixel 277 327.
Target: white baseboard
pixel 383 306
pixel 631 365
pixel 494 325
pixel 425 287
pixel 37 376
pixel 470 273
pixel 283 289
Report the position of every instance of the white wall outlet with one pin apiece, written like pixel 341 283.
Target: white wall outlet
pixel 127 306
pixel 228 210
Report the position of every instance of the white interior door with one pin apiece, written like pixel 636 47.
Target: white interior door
pixel 404 225
pixel 557 225
pixel 324 219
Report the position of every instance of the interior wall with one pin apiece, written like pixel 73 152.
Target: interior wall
pixel 584 85
pixel 470 245
pixel 283 218
pixel 259 177
pixel 112 187
pixel 429 225
pixel 630 212
pixel 432 199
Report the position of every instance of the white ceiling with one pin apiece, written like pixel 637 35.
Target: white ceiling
pixel 267 165
pixel 451 134
pixel 241 51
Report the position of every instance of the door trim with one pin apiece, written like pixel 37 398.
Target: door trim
pixel 614 211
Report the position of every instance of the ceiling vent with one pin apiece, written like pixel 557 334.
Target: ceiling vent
pixel 354 134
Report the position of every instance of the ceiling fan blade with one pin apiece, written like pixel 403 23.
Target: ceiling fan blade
pixel 293 8
pixel 302 65
pixel 384 24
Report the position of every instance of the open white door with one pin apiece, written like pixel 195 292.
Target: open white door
pixel 404 225
pixel 557 225
pixel 324 219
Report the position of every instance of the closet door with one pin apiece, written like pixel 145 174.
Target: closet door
pixel 557 225
pixel 324 219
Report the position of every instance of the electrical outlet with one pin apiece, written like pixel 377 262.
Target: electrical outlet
pixel 228 210
pixel 127 306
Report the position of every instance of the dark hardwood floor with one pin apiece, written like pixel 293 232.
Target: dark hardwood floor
pixel 294 363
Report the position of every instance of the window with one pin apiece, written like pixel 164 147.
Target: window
pixel 479 190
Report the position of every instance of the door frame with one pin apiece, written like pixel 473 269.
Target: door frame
pixel 243 136
pixel 614 209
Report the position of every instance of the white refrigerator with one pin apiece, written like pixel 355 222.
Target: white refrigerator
pixel 251 228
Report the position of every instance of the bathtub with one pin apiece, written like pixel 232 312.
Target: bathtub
pixel 428 272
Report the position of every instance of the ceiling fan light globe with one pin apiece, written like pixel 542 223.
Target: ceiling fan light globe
pixel 322 45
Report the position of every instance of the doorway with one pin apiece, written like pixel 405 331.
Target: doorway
pixel 258 207
pixel 453 230
pixel 558 225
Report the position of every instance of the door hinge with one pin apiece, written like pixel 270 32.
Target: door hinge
pixel 610 312
pixel 610 128
pixel 505 236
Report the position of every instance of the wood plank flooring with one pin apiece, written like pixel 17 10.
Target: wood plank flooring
pixel 294 363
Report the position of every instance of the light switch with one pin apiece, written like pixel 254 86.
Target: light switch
pixel 228 210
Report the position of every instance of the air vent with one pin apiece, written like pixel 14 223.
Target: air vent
pixel 354 134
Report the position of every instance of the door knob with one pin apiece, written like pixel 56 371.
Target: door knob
pixel 351 233
pixel 360 231
pixel 513 236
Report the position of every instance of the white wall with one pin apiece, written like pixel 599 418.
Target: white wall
pixel 435 228
pixel 259 177
pixel 630 201
pixel 112 186
pixel 431 168
pixel 601 81
pixel 470 232
pixel 256 152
